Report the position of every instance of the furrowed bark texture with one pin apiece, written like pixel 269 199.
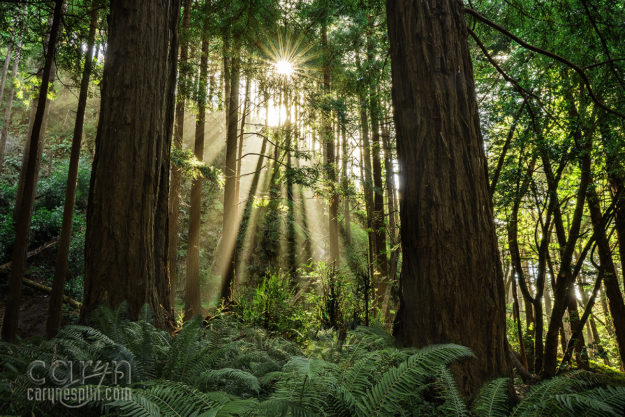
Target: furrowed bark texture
pixel 451 282
pixel 126 246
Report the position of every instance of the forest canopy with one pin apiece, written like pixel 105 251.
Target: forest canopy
pixel 313 207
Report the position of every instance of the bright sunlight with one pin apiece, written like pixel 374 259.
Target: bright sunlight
pixel 284 67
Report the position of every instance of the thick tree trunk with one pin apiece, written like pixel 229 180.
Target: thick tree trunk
pixel 193 299
pixel 230 216
pixel 126 247
pixel 60 269
pixel 451 277
pixel 24 208
pixel 174 187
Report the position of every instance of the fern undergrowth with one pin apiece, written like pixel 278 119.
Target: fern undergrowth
pixel 225 368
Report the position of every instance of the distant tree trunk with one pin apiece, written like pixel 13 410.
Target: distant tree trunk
pixel 610 280
pixel 327 138
pixel 60 270
pixel 25 206
pixel 174 190
pixel 365 171
pixel 5 66
pixel 447 228
pixel 377 214
pixel 517 318
pixel 127 241
pixel 565 279
pixel 345 183
pixel 9 104
pixel 193 299
pixel 230 202
pixel 392 223
pixel 246 106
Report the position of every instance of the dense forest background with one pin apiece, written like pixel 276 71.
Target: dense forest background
pixel 310 177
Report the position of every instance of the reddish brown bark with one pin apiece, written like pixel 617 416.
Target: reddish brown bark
pixel 126 247
pixel 451 278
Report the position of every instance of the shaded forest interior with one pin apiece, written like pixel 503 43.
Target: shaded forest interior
pixel 312 208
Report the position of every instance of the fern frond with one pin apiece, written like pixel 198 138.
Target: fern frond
pixel 403 382
pixel 453 405
pixel 493 399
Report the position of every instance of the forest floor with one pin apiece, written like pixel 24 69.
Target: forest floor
pixel 34 303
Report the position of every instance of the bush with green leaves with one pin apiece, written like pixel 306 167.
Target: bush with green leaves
pixel 224 368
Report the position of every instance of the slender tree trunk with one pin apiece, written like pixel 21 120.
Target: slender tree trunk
pixel 60 269
pixel 24 209
pixel 377 220
pixel 345 182
pixel 230 202
pixel 564 281
pixel 327 138
pixel 126 245
pixel 610 280
pixel 9 104
pixel 519 326
pixel 5 66
pixel 392 223
pixel 451 276
pixel 174 187
pixel 246 106
pixel 193 299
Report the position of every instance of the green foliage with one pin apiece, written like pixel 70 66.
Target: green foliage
pixel 225 368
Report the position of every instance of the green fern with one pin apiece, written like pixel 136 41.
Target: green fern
pixel 493 399
pixel 453 405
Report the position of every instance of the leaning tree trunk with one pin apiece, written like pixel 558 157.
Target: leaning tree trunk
pixel 60 270
pixel 126 242
pixel 451 282
pixel 25 202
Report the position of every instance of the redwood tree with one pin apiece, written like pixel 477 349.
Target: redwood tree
pixel 126 247
pixel 451 281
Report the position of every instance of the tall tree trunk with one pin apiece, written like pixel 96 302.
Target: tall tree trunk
pixel 451 277
pixel 246 107
pixel 5 66
pixel 392 222
pixel 25 206
pixel 126 248
pixel 60 269
pixel 377 220
pixel 9 104
pixel 193 299
pixel 230 202
pixel 327 138
pixel 345 183
pixel 365 172
pixel 174 187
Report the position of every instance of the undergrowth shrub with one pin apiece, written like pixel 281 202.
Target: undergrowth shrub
pixel 225 368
